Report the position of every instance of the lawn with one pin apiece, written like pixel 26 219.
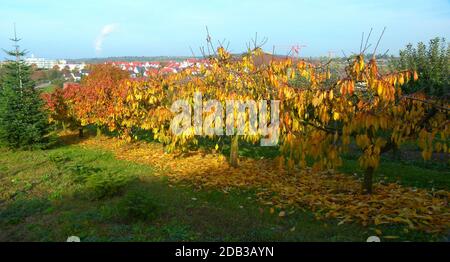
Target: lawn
pixel 73 190
pixel 48 88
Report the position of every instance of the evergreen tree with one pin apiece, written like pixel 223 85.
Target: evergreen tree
pixel 23 123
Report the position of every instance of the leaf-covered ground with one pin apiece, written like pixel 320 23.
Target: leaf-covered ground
pixel 328 195
pixel 41 199
pixel 46 195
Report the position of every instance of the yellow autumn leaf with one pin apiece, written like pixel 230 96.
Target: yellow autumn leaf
pixel 336 116
pixel 391 237
pixel 416 77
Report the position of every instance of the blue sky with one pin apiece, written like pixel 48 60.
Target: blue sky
pixel 72 29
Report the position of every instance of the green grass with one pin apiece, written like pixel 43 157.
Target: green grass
pixel 408 175
pixel 48 89
pixel 46 196
pixel 410 171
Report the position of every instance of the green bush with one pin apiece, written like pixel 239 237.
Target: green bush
pixel 80 173
pixel 77 172
pixel 138 205
pixel 103 185
pixel 432 63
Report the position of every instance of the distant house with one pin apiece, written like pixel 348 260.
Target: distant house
pixel 154 64
pixel 149 68
pixel 151 71
pixel 41 63
pixel 168 70
pixel 266 59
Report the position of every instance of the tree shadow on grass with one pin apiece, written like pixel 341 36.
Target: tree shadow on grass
pixel 73 138
pixel 153 209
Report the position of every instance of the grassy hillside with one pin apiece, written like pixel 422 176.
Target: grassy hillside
pixel 73 190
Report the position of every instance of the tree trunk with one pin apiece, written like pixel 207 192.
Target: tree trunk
pixel 99 131
pixel 368 181
pixel 80 133
pixel 234 151
pixel 396 152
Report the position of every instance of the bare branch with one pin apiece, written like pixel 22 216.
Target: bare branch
pixel 192 51
pixel 362 41
pixel 427 102
pixel 379 39
pixel 367 48
pixel 367 41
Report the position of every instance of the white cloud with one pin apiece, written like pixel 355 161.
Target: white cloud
pixel 106 30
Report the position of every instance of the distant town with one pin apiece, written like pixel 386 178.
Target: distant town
pixel 74 71
pixel 59 71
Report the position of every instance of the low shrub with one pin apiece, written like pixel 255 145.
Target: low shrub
pixel 80 173
pixel 138 205
pixel 103 185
